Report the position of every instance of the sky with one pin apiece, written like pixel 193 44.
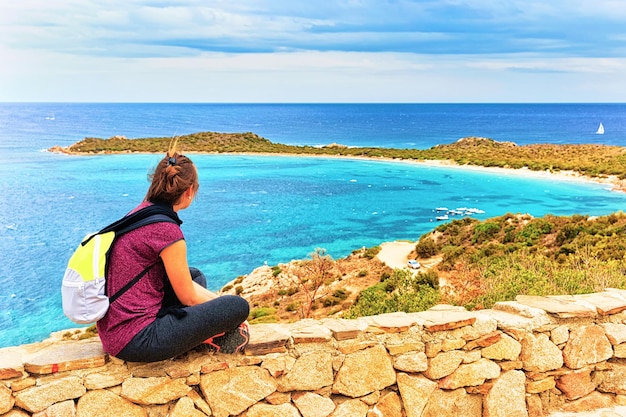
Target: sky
pixel 418 51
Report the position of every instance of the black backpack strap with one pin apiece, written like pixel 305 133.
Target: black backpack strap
pixel 154 213
pixel 130 284
pixel 151 214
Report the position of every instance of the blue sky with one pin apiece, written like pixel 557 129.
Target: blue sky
pixel 313 51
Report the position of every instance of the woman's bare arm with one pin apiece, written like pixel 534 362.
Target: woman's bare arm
pixel 175 260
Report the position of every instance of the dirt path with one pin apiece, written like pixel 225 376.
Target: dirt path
pixel 395 254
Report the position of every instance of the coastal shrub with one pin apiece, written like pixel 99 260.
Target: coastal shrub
pixel 509 234
pixel 293 306
pixel 337 297
pixel 81 334
pixel 426 247
pixel 331 301
pixel 329 280
pixel 276 271
pixel 401 292
pixel 226 287
pixel 531 233
pixel 371 301
pixel 341 293
pixel 370 253
pixel 538 275
pixel 549 255
pixel 485 231
pixel 429 278
pixel 262 315
pixel 451 254
pixel 568 233
pixel 89 332
pixel 363 273
pixel 238 289
pixel 265 319
pixel 491 249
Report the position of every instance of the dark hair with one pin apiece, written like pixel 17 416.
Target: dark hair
pixel 174 174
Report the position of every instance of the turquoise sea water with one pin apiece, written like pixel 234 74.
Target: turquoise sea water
pixel 252 209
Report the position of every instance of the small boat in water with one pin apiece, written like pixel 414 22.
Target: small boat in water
pixel 600 130
pixel 444 217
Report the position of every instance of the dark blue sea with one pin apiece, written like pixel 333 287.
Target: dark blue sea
pixel 256 209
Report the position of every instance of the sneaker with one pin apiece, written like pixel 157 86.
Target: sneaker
pixel 233 341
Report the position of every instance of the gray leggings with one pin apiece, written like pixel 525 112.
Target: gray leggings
pixel 178 329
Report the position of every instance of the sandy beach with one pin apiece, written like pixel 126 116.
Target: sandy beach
pixel 612 182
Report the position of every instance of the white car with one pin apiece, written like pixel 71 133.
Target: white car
pixel 413 264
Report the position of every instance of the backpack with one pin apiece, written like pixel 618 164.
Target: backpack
pixel 83 289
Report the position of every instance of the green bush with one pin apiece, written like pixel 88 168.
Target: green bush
pixel 426 247
pixel 401 292
pixel 485 231
pixel 262 315
pixel 370 253
pixel 429 278
pixel 534 230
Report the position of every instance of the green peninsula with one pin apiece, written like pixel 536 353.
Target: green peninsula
pixel 595 161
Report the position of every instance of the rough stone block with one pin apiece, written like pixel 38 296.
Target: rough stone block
pixel 232 391
pixel 67 356
pixel 310 371
pixel 39 398
pixel 507 397
pixel 471 374
pixel 457 403
pixel 355 380
pixel 576 384
pixel 563 306
pixel 313 405
pixel 587 345
pixel 415 392
pixel 154 390
pixel 539 354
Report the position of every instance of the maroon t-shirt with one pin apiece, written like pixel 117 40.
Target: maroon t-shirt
pixel 137 307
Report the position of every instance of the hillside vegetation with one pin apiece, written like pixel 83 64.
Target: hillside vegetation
pixel 590 160
pixel 483 262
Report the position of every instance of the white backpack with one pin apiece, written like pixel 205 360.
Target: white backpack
pixel 83 289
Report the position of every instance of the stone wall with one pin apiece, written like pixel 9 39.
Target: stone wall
pixel 524 358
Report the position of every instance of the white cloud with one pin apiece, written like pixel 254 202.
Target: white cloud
pixel 342 50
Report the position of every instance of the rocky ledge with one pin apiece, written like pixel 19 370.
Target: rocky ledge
pixel 524 358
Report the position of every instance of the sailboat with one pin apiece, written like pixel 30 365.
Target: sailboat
pixel 600 130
